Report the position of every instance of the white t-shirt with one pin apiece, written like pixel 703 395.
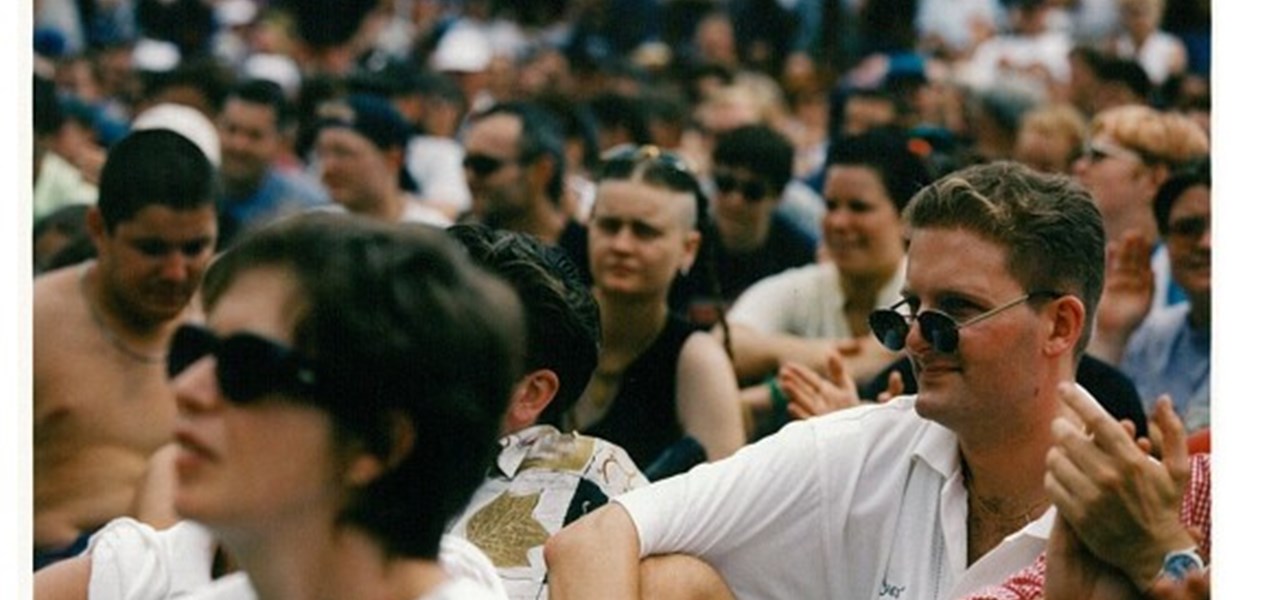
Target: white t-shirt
pixel 867 502
pixel 133 561
pixel 805 301
pixel 237 587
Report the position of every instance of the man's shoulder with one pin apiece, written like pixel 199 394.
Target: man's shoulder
pixel 56 306
pixel 861 429
pixel 54 284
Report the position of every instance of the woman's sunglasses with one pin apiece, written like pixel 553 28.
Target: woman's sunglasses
pixel 938 328
pixel 249 367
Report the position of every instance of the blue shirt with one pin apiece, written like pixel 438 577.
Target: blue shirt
pixel 1167 355
pixel 280 193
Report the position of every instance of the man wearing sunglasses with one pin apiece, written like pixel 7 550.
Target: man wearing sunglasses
pixel 102 405
pixel 927 496
pixel 515 168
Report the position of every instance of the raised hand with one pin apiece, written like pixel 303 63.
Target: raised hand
pixel 810 394
pixel 1122 504
pixel 1126 295
pixel 1073 573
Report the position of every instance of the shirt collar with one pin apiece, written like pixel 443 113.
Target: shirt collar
pixel 514 447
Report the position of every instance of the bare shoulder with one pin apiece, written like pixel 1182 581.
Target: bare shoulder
pixel 703 348
pixel 58 320
pixel 703 359
pixel 54 294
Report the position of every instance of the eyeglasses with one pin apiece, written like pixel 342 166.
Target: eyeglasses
pixel 938 328
pixel 1098 150
pixel 753 190
pixel 249 366
pixel 484 165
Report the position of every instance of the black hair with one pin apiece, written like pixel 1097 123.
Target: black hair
pixel 577 122
pixel 886 151
pixel 401 326
pixel 563 319
pixel 613 110
pixel 205 75
pixel 154 166
pixel 1126 72
pixel 1195 174
pixel 46 111
pixel 759 149
pixel 328 24
pixel 266 93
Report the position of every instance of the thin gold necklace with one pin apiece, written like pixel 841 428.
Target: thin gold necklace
pixel 106 331
pixel 993 510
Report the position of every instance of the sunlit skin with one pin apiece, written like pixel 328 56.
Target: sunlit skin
pixel 258 466
pixel 639 237
pixel 861 230
pixel 101 405
pixel 270 477
pixel 1122 186
pixel 151 264
pixel 963 275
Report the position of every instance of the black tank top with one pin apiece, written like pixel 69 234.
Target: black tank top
pixel 642 418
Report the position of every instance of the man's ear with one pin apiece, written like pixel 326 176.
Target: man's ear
pixel 1065 326
pixel 531 396
pixel 366 467
pixel 539 172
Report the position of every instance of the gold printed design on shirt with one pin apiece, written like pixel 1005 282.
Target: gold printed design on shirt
pixel 568 452
pixel 506 530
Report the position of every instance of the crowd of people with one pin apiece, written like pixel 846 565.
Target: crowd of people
pixel 435 299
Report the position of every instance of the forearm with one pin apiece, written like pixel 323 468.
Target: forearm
pixel 598 556
pixel 757 355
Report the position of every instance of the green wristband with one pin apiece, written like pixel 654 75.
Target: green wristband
pixel 777 399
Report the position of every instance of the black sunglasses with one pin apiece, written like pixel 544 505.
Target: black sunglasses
pixel 484 165
pixel 249 366
pixel 1190 228
pixel 753 190
pixel 938 328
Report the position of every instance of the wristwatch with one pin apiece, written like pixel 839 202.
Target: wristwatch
pixel 1179 563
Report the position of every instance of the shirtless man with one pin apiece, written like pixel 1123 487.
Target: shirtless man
pixel 102 401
